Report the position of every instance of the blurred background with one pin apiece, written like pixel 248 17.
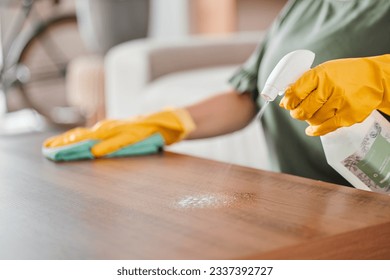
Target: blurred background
pixel 75 62
pixel 103 24
pixel 176 18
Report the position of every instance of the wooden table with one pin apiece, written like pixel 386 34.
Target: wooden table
pixel 171 206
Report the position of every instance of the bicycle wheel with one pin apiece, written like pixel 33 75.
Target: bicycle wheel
pixel 43 63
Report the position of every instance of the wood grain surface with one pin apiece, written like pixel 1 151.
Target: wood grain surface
pixel 171 206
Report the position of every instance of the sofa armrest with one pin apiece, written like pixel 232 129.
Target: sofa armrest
pixel 131 66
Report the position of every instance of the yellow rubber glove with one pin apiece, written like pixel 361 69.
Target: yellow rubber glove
pixel 173 125
pixel 340 93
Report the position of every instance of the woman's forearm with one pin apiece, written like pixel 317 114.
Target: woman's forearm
pixel 221 114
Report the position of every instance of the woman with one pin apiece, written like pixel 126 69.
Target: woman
pixel 332 29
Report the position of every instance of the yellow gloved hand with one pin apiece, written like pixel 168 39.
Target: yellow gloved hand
pixel 340 93
pixel 173 125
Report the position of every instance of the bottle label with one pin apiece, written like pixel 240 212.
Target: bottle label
pixel 371 163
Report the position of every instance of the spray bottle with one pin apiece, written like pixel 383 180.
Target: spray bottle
pixel 361 152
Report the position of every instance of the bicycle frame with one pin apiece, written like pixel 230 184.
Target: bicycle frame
pixel 31 34
pixel 11 49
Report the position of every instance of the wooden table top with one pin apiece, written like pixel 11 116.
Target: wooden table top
pixel 172 206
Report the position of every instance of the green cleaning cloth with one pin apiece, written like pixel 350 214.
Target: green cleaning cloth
pixel 82 150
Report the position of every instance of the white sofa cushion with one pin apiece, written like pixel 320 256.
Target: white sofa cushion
pixel 184 88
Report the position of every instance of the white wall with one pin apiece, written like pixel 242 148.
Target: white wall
pixel 169 18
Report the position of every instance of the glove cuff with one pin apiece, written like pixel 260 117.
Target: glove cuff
pixel 188 124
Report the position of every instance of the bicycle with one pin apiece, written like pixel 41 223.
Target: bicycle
pixel 34 58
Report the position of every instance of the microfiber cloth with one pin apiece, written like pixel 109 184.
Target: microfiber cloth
pixel 82 150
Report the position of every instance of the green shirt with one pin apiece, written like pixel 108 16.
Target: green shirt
pixel 331 29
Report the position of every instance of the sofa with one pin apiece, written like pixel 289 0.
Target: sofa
pixel 146 75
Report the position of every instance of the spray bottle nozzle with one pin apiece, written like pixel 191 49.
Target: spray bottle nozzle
pixel 270 92
pixel 286 72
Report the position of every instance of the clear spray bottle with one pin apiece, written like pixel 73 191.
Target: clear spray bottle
pixel 361 152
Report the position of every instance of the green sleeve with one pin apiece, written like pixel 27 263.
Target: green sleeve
pixel 245 79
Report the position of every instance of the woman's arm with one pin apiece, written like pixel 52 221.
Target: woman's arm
pixel 221 114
